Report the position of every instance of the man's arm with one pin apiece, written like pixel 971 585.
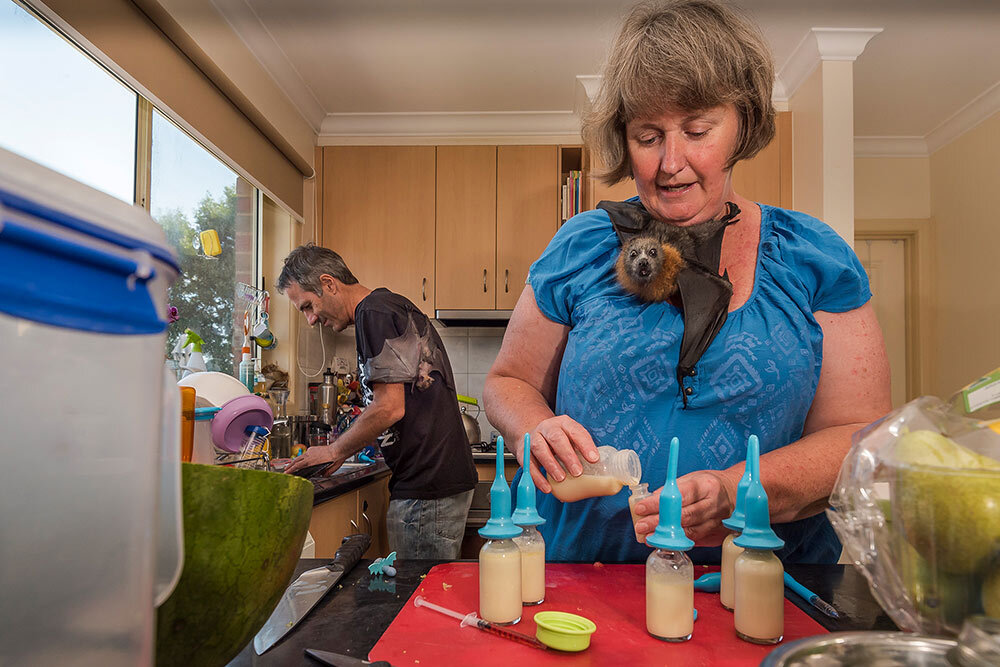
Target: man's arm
pixel 387 407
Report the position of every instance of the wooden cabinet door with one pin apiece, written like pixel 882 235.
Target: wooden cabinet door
pixel 767 178
pixel 332 521
pixel 373 503
pixel 527 197
pixel 465 266
pixel 378 213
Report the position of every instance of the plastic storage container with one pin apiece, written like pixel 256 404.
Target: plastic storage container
pixel 90 486
pixel 615 469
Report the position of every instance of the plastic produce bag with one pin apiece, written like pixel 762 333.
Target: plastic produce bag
pixel 917 507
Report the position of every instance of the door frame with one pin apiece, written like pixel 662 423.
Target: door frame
pixel 917 276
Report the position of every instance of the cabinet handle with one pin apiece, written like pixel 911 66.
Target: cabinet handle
pixel 506 275
pixel 371 530
pixel 484 281
pixel 423 290
pixel 355 527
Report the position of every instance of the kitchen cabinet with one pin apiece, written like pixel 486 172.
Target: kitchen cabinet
pixel 766 179
pixel 360 510
pixel 378 213
pixel 497 210
pixel 466 234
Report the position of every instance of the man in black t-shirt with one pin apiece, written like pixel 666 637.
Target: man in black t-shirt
pixel 408 388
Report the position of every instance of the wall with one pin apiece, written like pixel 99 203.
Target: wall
pixel 892 187
pixel 807 145
pixel 280 233
pixel 471 351
pixel 964 176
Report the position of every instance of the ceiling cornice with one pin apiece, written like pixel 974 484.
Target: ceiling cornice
pixel 249 28
pixel 820 44
pixel 890 147
pixel 966 118
pixel 497 123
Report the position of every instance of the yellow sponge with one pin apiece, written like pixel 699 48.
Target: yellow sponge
pixel 210 243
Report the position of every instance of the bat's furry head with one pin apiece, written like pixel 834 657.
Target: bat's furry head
pixel 648 268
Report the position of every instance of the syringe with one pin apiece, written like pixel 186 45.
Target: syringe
pixel 473 620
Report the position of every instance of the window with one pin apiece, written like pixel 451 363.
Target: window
pixel 191 192
pixel 61 109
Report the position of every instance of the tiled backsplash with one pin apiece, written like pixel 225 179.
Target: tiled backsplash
pixel 471 351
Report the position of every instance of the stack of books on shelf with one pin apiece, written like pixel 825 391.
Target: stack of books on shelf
pixel 572 200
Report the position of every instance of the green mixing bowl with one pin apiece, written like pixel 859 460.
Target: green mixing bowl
pixel 243 535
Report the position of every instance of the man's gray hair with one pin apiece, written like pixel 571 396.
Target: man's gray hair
pixel 307 263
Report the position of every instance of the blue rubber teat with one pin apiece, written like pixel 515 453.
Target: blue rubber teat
pixel 669 534
pixel 499 526
pixel 738 517
pixel 757 533
pixel 526 514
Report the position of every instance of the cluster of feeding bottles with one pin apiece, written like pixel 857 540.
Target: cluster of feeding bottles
pixel 751 583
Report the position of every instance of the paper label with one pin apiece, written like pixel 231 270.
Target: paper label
pixel 983 393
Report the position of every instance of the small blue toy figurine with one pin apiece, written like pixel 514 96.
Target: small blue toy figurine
pixel 383 566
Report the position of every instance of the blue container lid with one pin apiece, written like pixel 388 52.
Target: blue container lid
pixel 669 534
pixel 757 532
pixel 738 517
pixel 526 513
pixel 499 525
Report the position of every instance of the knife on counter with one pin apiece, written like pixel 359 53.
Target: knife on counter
pixel 337 660
pixel 306 591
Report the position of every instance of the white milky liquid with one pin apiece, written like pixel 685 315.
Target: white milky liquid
pixel 729 553
pixel 632 500
pixel 669 605
pixel 533 576
pixel 500 585
pixel 759 611
pixel 572 488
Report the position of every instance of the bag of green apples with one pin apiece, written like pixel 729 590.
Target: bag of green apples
pixel 917 508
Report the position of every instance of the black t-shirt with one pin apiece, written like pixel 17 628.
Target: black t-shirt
pixel 427 449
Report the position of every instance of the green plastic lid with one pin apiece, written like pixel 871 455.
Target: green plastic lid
pixel 563 631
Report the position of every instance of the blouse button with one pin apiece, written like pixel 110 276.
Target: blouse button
pixel 692 372
pixel 689 390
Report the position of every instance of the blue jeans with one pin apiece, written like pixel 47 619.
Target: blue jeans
pixel 428 528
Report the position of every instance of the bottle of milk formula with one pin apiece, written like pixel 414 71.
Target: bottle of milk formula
pixel 500 557
pixel 669 572
pixel 530 541
pixel 616 468
pixel 758 576
pixel 735 523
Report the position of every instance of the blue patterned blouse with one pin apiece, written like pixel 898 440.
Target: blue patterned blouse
pixel 758 376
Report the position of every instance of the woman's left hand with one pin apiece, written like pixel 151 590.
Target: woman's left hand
pixel 709 497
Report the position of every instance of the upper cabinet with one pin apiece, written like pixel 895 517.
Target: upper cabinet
pixel 766 179
pixel 378 211
pixel 496 211
pixel 466 227
pixel 527 214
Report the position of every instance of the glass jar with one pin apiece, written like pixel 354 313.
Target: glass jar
pixel 500 582
pixel 759 596
pixel 669 595
pixel 729 554
pixel 532 546
pixel 638 492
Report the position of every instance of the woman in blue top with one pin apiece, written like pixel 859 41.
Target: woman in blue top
pixel 800 360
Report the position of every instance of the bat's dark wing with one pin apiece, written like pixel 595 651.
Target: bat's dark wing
pixel 704 293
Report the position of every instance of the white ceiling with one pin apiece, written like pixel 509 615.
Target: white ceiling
pixel 361 61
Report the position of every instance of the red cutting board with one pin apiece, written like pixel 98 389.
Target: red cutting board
pixel 613 596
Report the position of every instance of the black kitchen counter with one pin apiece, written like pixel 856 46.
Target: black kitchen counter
pixel 328 488
pixel 351 619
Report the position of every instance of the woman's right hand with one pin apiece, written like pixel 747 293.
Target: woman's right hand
pixel 554 446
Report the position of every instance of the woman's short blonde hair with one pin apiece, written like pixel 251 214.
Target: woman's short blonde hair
pixel 685 54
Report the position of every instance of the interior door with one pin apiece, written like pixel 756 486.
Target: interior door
pixel 884 261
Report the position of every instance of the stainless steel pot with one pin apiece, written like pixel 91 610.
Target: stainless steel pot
pixel 471 423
